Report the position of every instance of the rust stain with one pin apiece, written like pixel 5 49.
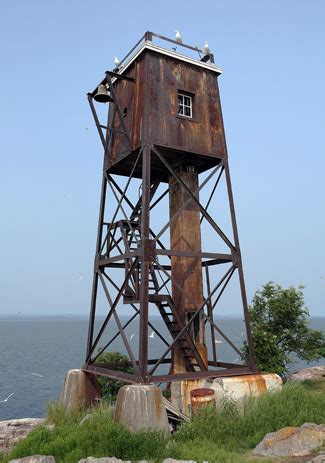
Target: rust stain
pixel 157 399
pixel 151 108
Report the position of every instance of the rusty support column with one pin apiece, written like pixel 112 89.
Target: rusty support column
pixel 185 235
pixel 145 264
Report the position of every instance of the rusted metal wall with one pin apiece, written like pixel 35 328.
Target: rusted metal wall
pixel 151 107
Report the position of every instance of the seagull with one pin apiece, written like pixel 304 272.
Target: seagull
pixel 6 400
pixel 132 336
pixel 116 61
pixel 152 335
pixel 178 37
pixel 217 341
pixel 37 374
pixel 206 48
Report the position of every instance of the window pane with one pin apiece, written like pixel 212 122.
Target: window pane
pixel 184 105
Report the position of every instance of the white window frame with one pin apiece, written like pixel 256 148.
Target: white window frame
pixel 184 101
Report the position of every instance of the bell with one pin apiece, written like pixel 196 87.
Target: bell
pixel 102 96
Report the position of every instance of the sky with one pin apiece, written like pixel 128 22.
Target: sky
pixel 273 99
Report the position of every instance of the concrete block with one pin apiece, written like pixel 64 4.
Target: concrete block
pixel 237 388
pixel 141 406
pixel 80 390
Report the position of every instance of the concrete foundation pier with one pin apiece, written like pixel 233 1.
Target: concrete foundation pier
pixel 80 390
pixel 141 407
pixel 237 388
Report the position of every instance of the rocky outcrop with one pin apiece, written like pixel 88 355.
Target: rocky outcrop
pixel 319 459
pixel 50 459
pixel 34 459
pixel 116 460
pixel 13 431
pixel 103 460
pixel 292 441
pixel 309 373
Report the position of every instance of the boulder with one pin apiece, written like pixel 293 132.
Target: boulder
pixel 320 458
pixel 116 460
pixel 102 460
pixel 13 431
pixel 34 459
pixel 292 441
pixel 309 373
pixel 171 460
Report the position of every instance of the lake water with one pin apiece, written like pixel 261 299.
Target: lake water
pixel 36 353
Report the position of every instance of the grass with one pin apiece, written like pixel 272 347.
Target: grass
pixel 224 436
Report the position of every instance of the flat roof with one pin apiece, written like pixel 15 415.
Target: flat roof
pixel 148 45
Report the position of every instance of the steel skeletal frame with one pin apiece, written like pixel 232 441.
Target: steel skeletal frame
pixel 137 251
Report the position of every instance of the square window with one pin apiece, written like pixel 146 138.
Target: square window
pixel 185 103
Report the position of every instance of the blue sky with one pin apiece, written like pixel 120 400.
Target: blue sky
pixel 272 91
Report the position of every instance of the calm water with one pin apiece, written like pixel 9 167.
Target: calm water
pixel 36 353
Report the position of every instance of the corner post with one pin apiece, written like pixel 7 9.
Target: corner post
pixel 145 264
pixel 251 360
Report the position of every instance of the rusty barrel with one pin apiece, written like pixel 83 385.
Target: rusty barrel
pixel 201 397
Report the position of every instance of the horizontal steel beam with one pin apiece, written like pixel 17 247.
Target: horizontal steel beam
pixel 110 373
pixel 110 260
pixel 207 255
pixel 202 375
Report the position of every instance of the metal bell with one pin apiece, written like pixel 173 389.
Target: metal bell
pixel 102 95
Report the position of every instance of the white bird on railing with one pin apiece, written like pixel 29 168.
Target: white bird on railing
pixel 116 61
pixel 178 37
pixel 206 48
pixel 6 400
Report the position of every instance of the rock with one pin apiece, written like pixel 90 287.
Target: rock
pixel 319 459
pixel 308 373
pixel 103 460
pixel 34 459
pixel 116 460
pixel 13 431
pixel 291 441
pixel 171 460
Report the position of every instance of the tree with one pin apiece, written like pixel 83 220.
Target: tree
pixel 280 331
pixel 109 387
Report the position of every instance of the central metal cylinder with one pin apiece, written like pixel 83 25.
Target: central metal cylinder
pixel 185 235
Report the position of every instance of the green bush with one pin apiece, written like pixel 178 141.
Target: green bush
pixel 109 387
pixel 280 331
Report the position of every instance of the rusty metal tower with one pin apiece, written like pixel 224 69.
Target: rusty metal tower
pixel 164 130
